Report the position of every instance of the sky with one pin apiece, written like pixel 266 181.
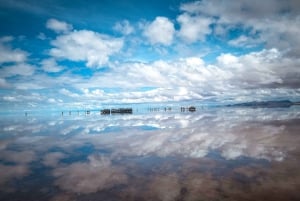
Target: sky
pixel 83 54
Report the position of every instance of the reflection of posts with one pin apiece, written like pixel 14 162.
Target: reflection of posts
pixel 62 113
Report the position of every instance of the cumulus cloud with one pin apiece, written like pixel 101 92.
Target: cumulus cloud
pixel 10 99
pixel 7 54
pixel 41 36
pixel 124 27
pixel 51 100
pixel 67 92
pixel 160 31
pixel 88 46
pixel 50 65
pixel 265 18
pixel 194 28
pixel 259 69
pixel 22 69
pixel 258 75
pixel 22 98
pixel 244 41
pixel 191 78
pixel 58 26
pixel 89 177
pixel 268 71
pixel 234 77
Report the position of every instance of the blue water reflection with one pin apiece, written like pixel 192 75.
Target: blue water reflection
pixel 211 154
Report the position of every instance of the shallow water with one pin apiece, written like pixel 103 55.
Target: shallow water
pixel 211 154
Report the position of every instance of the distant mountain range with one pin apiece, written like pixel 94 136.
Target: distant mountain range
pixel 269 104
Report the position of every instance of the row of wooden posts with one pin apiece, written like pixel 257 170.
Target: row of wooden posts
pixel 130 110
pixel 107 111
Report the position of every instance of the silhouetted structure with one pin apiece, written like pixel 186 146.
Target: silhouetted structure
pixel 192 109
pixel 105 111
pixel 117 111
pixel 121 111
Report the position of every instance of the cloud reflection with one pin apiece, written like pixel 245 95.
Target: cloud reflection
pixel 96 174
pixel 185 156
pixel 52 159
pixel 9 172
pixel 22 157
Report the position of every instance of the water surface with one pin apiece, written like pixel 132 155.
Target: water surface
pixel 211 154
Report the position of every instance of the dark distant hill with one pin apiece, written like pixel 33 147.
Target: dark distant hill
pixel 269 104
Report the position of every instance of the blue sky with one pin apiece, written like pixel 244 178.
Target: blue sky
pixel 81 54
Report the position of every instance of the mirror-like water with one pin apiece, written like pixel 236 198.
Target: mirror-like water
pixel 211 154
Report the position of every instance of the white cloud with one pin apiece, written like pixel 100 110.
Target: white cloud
pixel 50 65
pixel 245 41
pixel 233 77
pixel 6 39
pixel 42 36
pixel 22 69
pixel 10 98
pixel 124 27
pixel 7 54
pixel 51 100
pixel 58 26
pixel 266 18
pixel 23 98
pixel 256 69
pixel 67 92
pixel 96 93
pixel 84 45
pixel 160 31
pixel 193 28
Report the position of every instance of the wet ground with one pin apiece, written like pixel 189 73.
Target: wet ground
pixel 209 155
